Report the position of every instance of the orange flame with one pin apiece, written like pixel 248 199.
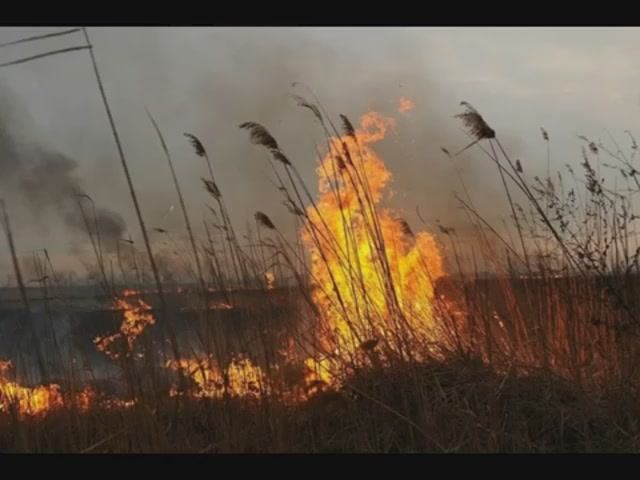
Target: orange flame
pixel 27 401
pixel 318 375
pixel 39 401
pixel 244 379
pixel 85 399
pixel 137 316
pixel 373 276
pixel 270 278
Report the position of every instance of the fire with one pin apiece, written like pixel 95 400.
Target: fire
pixel 270 278
pixel 406 105
pixel 318 375
pixel 85 399
pixel 39 401
pixel 244 379
pixel 373 276
pixel 137 316
pixel 32 402
pixel 29 401
pixel 206 378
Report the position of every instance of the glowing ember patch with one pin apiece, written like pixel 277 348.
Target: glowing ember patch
pixel 406 105
pixel 85 399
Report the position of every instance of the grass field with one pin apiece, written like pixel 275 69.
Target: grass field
pixel 362 334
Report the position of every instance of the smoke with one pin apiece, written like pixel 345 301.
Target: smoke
pixel 47 181
pixel 255 84
pixel 207 82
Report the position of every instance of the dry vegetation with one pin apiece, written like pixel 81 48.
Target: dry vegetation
pixel 381 348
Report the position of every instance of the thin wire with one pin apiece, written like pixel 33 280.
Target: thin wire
pixel 40 37
pixel 42 55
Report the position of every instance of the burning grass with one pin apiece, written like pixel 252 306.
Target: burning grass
pixel 25 400
pixel 374 277
pixel 40 401
pixel 460 405
pixel 240 379
pixel 136 317
pixel 392 343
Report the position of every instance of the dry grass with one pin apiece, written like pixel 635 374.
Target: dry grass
pixel 538 358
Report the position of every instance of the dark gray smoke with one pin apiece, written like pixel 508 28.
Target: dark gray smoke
pixel 47 181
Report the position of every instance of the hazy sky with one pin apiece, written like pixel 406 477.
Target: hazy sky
pixel 574 81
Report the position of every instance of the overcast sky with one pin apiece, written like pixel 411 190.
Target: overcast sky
pixel 574 81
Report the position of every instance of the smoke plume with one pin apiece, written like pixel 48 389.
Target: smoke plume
pixel 47 181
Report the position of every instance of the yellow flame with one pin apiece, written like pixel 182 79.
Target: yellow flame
pixel 137 316
pixel 27 401
pixel 244 379
pixel 318 375
pixel 270 278
pixel 373 277
pixel 39 401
